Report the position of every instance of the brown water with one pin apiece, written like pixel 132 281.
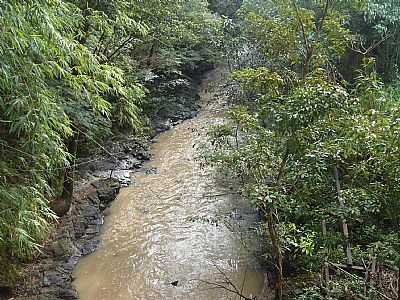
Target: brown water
pixel 169 226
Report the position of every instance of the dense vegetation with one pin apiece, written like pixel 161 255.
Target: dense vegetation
pixel 78 70
pixel 313 137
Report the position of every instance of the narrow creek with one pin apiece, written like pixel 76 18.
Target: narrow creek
pixel 170 227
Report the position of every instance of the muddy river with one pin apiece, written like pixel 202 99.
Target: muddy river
pixel 176 232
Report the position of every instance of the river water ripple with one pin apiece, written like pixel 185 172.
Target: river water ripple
pixel 167 228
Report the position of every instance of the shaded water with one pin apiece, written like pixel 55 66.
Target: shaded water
pixel 169 226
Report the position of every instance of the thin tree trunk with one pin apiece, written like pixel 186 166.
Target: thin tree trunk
pixel 325 269
pixel 62 205
pixel 277 252
pixel 68 186
pixel 398 285
pixel 272 223
pixel 151 53
pixel 345 230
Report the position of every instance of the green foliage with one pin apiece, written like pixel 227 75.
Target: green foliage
pixel 226 8
pixel 300 122
pixel 298 39
pixel 46 76
pixel 259 80
pixel 376 27
pixel 69 67
pixel 345 288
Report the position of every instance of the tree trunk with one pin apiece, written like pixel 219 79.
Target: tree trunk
pixel 272 223
pixel 68 187
pixel 62 204
pixel 349 258
pixel 277 252
pixel 398 285
pixel 151 54
pixel 325 268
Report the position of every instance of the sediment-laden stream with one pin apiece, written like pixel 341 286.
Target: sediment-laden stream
pixel 168 234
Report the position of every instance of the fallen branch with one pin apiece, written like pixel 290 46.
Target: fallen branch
pixel 224 287
pixel 227 284
pixel 358 278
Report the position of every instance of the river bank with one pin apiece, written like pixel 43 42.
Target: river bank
pixel 180 231
pixel 171 199
pixel 98 181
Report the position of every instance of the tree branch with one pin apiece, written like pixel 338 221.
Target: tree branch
pixel 372 47
pixel 120 47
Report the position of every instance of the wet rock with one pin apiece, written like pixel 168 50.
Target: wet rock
pixel 143 155
pixel 68 294
pixel 107 189
pixel 93 229
pixel 235 215
pixel 128 154
pixel 175 283
pixel 48 296
pixel 52 278
pixel 109 196
pixel 90 211
pixel 128 149
pixel 93 197
pixel 106 183
pixel 89 247
pixel 107 212
pixel 123 176
pixel 129 163
pixel 69 267
pixel 97 222
pixel 149 171
pixel 63 247
pixel 163 126
pixel 79 228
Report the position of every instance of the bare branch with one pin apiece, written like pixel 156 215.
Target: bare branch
pixel 356 277
pixel 375 44
pixel 120 47
pixel 224 287
pixel 226 284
